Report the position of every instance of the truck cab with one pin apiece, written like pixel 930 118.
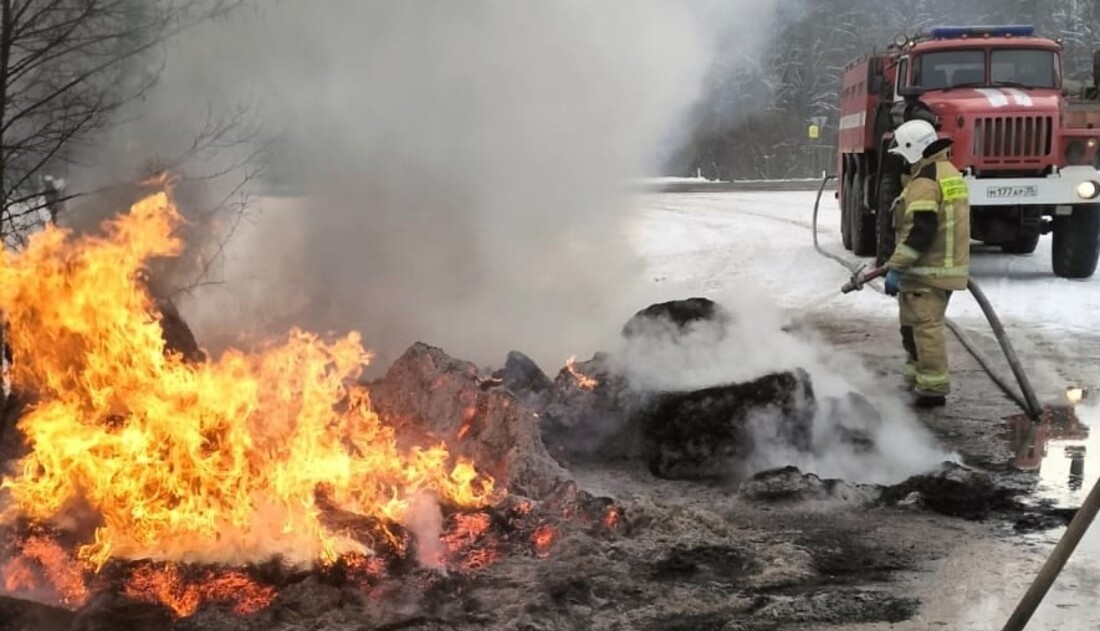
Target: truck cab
pixel 1027 147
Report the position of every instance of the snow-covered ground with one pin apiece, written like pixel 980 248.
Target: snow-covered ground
pixel 763 239
pixel 760 243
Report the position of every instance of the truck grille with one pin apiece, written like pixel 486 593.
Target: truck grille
pixel 1013 139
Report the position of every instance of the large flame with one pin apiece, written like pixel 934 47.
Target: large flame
pixel 219 462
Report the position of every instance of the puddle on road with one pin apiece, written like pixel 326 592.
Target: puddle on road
pixel 1063 453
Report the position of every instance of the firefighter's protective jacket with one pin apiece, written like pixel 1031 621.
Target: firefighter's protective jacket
pixel 933 227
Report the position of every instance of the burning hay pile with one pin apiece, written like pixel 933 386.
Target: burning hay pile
pixel 147 486
pixel 152 486
pixel 135 455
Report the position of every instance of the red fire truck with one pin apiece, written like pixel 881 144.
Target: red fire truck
pixel 1025 139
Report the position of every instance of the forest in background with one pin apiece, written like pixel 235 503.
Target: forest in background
pixel 753 122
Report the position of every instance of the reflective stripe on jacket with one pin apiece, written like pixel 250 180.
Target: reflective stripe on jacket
pixel 933 250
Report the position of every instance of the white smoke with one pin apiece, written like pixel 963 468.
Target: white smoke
pixel 754 344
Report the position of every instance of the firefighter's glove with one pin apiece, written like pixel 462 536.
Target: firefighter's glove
pixel 893 282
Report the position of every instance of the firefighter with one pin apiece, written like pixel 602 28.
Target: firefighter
pixel 931 258
pixel 52 190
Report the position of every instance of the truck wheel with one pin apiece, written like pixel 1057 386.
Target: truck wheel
pixel 1077 242
pixel 1024 243
pixel 863 222
pixel 889 187
pixel 846 211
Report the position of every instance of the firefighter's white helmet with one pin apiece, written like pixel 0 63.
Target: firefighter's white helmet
pixel 912 138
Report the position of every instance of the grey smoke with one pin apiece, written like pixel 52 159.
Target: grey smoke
pixel 458 168
pixel 455 173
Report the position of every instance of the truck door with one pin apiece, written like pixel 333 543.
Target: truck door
pixel 903 77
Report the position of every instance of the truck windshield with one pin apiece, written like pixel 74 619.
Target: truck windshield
pixel 949 68
pixel 1028 68
pixel 1019 67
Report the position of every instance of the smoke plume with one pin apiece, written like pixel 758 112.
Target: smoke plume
pixel 450 172
pixel 457 173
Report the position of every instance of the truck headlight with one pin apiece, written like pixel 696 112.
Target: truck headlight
pixel 1088 190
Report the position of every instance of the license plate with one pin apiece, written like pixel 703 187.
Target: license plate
pixel 1012 192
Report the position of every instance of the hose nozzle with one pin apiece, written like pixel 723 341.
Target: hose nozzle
pixel 860 278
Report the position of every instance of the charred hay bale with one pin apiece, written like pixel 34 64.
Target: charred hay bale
pixel 701 433
pixel 525 379
pixel 954 491
pixel 588 412
pixel 428 395
pixel 676 316
pixel 790 484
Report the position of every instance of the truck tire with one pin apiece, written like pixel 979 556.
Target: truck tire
pixel 1024 243
pixel 1076 246
pixel 889 187
pixel 846 211
pixel 863 222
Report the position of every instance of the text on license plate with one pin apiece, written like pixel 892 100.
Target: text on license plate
pixel 1005 192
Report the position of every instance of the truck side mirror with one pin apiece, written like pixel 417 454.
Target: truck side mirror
pixel 910 92
pixel 1096 69
pixel 875 84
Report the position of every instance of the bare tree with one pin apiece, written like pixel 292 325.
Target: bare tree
pixel 66 67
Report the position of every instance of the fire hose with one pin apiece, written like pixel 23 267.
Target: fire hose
pixel 1028 402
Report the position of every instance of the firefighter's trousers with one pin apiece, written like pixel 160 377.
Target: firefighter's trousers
pixel 922 312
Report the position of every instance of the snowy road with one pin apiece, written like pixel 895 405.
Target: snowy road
pixel 758 245
pixel 764 239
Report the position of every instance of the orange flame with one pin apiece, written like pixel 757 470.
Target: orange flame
pixel 363 569
pixel 467 529
pixel 213 463
pixel 463 545
pixel 43 562
pixel 583 381
pixel 611 518
pixel 183 597
pixel 543 538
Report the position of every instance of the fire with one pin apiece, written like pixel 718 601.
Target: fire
pixel 220 463
pixel 464 543
pixel 583 381
pixel 42 561
pixel 611 518
pixel 364 568
pixel 468 416
pixel 542 539
pixel 168 586
pixel 468 527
